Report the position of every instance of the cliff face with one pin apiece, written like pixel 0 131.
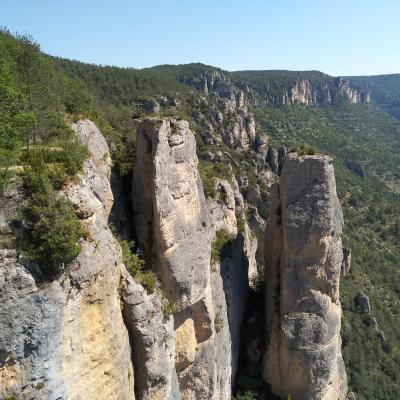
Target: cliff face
pixel 66 339
pixel 175 228
pixel 94 332
pixel 309 94
pixel 233 115
pixel 303 312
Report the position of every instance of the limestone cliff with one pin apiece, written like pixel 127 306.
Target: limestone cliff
pixel 303 312
pixel 96 333
pixel 311 94
pixel 66 339
pixel 175 228
pixel 232 116
pixel 311 88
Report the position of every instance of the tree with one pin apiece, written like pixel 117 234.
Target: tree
pixel 53 229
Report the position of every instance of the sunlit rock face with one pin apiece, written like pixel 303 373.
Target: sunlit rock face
pixel 303 312
pixel 66 338
pixel 175 227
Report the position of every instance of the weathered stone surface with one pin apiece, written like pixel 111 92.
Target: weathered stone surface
pixel 233 115
pixel 311 94
pixel 304 253
pixel 346 263
pixel 175 228
pixel 68 335
pixel 272 159
pixel 351 396
pixel 362 301
pixel 170 209
pixel 152 339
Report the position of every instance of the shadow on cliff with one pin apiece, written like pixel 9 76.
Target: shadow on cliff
pixel 252 343
pixel 234 274
pixel 121 216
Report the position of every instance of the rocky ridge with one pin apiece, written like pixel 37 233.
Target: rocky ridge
pixel 311 88
pixel 232 116
pixel 66 339
pixel 181 341
pixel 305 92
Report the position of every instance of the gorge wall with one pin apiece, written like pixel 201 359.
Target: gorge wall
pixel 303 313
pixel 310 94
pixel 96 333
pixel 65 338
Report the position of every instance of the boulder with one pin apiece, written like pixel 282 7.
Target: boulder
pixel 362 302
pixel 272 159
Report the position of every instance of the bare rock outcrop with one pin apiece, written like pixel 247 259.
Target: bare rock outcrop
pixel 346 263
pixel 66 339
pixel 171 220
pixel 315 94
pixel 151 331
pixel 362 302
pixel 175 227
pixel 303 311
pixel 233 116
pixel 170 209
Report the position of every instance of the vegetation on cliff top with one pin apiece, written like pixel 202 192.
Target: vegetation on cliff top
pixel 36 141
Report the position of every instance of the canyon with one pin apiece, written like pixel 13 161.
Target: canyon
pixel 234 235
pixel 96 333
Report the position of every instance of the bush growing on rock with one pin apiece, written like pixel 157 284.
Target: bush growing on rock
pixel 303 150
pixel 245 396
pixel 219 245
pixel 135 266
pixel 53 229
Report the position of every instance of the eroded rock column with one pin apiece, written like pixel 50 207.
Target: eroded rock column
pixel 175 228
pixel 304 257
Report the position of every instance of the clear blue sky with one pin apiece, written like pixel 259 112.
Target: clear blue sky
pixel 339 37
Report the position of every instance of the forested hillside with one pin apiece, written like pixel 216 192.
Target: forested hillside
pixel 40 96
pixel 385 91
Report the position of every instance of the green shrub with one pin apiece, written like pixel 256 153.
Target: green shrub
pixel 303 150
pixel 245 396
pixel 219 245
pixel 240 221
pixel 258 283
pixel 135 266
pixel 39 385
pixel 218 322
pixel 168 309
pixel 209 171
pixel 148 280
pixel 53 229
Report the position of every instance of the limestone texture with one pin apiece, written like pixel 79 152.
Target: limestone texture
pixel 304 257
pixel 175 228
pixel 66 339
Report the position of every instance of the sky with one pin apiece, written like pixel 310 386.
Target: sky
pixel 338 37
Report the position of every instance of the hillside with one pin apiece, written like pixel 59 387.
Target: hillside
pixel 235 119
pixel 385 91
